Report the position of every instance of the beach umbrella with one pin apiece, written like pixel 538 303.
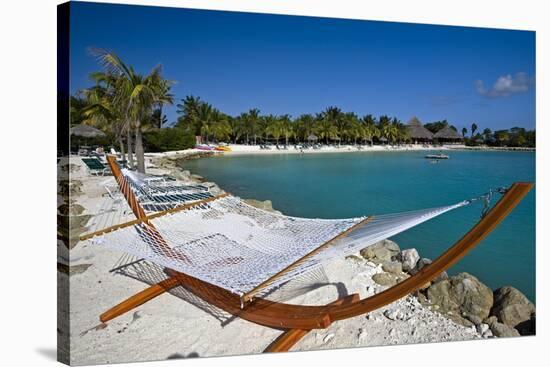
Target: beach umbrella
pixel 86 131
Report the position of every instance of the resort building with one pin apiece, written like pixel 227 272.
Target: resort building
pixel 418 132
pixel 448 135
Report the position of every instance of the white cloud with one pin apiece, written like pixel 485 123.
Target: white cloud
pixel 505 85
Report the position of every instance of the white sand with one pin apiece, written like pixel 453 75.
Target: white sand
pixel 255 149
pixel 239 149
pixel 168 327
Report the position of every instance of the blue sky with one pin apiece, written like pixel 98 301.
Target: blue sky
pixel 295 65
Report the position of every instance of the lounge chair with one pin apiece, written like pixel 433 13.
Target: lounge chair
pixel 96 167
pixel 213 248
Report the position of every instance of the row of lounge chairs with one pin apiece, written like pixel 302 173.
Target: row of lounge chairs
pixel 268 147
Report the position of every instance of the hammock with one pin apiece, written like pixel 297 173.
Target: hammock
pixel 240 248
pixel 226 252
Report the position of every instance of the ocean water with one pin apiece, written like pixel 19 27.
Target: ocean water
pixel 353 184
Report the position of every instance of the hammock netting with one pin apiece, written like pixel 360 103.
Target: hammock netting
pixel 233 245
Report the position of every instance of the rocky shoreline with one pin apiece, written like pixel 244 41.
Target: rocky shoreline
pixel 462 298
pixel 504 312
pixel 495 149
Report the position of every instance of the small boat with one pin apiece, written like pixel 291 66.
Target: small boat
pixel 437 156
pixel 222 148
pixel 204 147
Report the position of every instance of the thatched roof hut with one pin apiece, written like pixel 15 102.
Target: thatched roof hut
pixel 418 132
pixel 448 134
pixel 86 131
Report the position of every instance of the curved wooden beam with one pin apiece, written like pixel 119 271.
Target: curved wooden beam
pixel 292 336
pixel 139 298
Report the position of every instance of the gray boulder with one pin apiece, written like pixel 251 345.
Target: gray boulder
pixel 503 331
pixel 409 258
pixel 419 265
pixel 394 267
pixel 383 251
pixel 388 279
pixel 528 327
pixel 385 279
pixel 511 307
pixel 424 262
pixel 266 205
pixel 462 295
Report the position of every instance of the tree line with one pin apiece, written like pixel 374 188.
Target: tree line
pixel 330 125
pixel 129 107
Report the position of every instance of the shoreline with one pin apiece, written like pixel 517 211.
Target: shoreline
pixel 238 150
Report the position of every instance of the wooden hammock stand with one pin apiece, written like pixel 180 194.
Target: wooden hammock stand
pixel 298 320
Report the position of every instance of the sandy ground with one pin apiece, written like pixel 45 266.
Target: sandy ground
pixel 169 327
pixel 255 149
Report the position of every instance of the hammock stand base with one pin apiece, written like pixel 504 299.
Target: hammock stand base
pixel 298 320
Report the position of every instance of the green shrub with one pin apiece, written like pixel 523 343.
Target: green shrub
pixel 168 139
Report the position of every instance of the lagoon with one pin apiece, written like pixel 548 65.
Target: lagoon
pixel 338 185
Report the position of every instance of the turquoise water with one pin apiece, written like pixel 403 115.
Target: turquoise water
pixel 352 184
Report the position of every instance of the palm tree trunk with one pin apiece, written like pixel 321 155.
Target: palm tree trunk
pixel 122 150
pixel 139 149
pixel 129 143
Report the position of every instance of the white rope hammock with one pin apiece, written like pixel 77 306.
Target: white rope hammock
pixel 245 250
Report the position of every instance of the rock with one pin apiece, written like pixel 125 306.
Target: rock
pixel 482 328
pixel 409 258
pixel 394 267
pixel 511 307
pixel 385 279
pixel 180 175
pixel 393 315
pixel 383 251
pixel 503 331
pixel 487 334
pixel 264 205
pixel 70 210
pixel 490 320
pixel 72 270
pixel 421 264
pixel 463 295
pixel 528 327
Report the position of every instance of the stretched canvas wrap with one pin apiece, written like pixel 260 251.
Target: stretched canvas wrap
pixel 234 183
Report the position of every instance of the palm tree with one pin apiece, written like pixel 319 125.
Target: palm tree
pixel 287 129
pixel 237 128
pixel 137 93
pixel 188 113
pixel 205 119
pixel 103 110
pixel 335 117
pixel 390 132
pixel 252 122
pixel 370 129
pixel 304 126
pixel 325 128
pixel 275 128
pixel 474 128
pixel 464 132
